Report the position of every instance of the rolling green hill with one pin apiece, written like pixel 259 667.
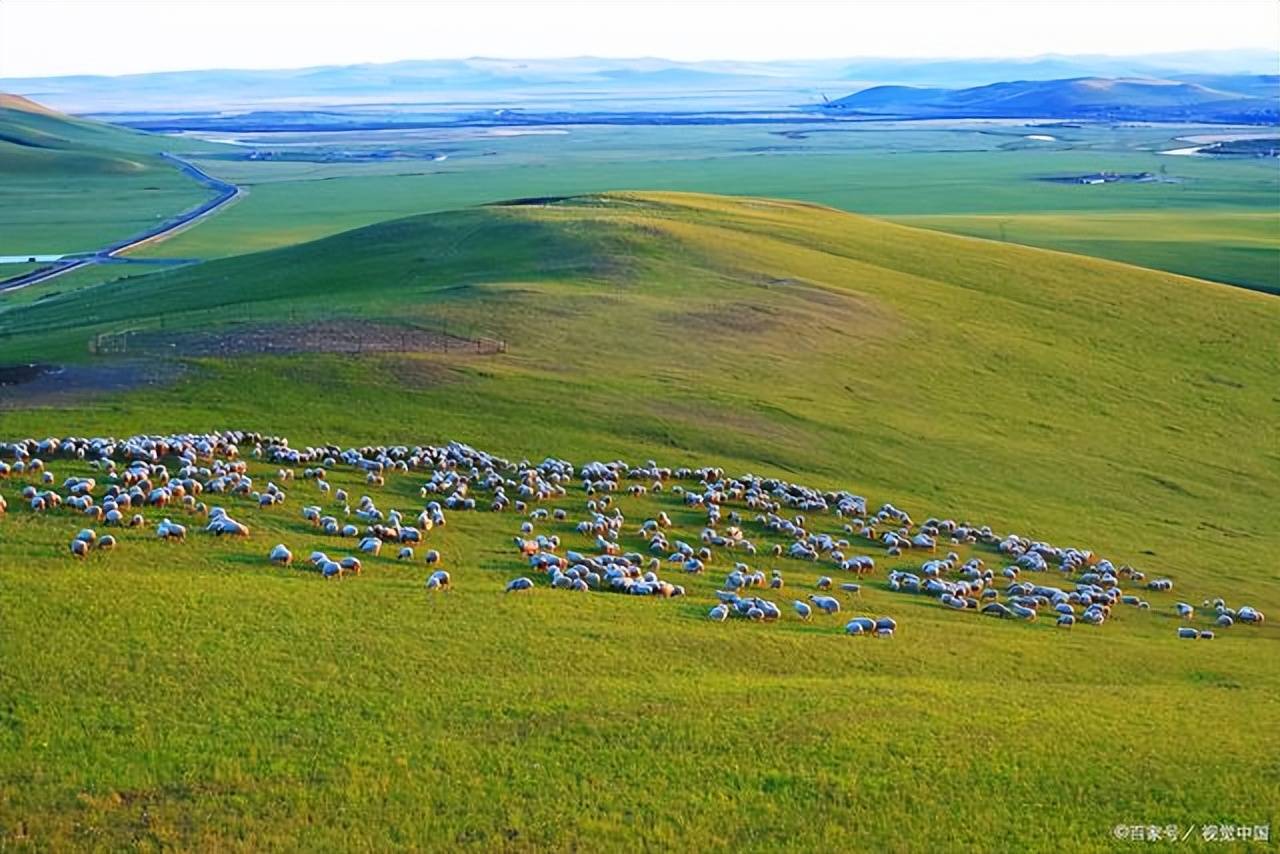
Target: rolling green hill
pixel 72 185
pixel 1073 399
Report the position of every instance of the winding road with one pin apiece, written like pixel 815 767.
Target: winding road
pixel 225 194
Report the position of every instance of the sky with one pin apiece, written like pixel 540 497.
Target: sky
pixel 56 37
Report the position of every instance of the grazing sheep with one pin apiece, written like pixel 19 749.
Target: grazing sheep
pixel 1249 614
pixel 280 555
pixel 827 604
pixel 719 613
pixel 79 548
pixel 405 553
pixel 438 580
pixel 168 530
pixel 824 583
pixel 521 583
pixel 802 610
pixel 1188 633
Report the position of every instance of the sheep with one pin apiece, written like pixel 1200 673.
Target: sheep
pixel 432 557
pixel 1188 633
pixel 168 530
pixel 827 604
pixel 823 583
pixel 439 580
pixel 1249 614
pixel 802 609
pixel 405 553
pixel 88 535
pixel 719 613
pixel 79 548
pixel 350 564
pixel 1022 612
pixel 1185 611
pixel 521 583
pixel 280 555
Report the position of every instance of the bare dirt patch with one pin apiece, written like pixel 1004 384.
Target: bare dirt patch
pixel 350 337
pixel 22 386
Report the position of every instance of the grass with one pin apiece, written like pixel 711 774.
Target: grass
pixel 192 696
pixel 1217 221
pixel 1233 247
pixel 69 185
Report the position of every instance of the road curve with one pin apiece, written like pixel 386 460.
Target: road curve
pixel 225 193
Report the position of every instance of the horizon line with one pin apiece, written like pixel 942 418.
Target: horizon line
pixel 1011 58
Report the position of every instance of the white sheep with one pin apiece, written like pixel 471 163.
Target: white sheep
pixel 827 604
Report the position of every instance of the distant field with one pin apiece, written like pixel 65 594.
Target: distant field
pixel 1238 248
pixel 69 186
pixel 80 213
pixel 1215 217
pixel 192 696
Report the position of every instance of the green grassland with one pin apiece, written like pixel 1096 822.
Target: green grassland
pixel 1213 218
pixel 1230 246
pixel 191 695
pixel 69 185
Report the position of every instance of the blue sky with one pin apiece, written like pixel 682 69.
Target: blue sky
pixel 127 36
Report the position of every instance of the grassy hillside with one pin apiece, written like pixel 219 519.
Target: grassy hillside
pixel 193 696
pixel 964 173
pixel 1237 247
pixel 70 185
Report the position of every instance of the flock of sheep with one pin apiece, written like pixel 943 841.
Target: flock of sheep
pixel 172 473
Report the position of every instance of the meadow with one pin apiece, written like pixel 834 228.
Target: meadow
pixel 69 185
pixel 192 695
pixel 1208 217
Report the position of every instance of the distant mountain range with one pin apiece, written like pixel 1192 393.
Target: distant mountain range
pixel 602 84
pixel 1252 99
